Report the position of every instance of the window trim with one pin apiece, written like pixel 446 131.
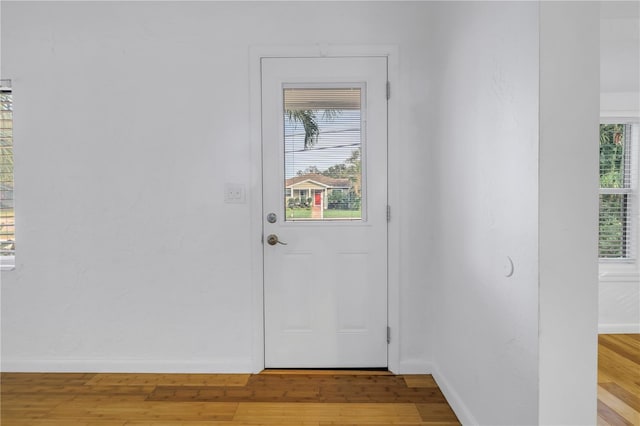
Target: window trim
pixel 7 263
pixel 626 270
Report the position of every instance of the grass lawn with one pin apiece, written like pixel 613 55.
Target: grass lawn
pixel 342 214
pixel 328 214
pixel 299 213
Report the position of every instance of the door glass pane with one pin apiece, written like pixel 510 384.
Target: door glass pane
pixel 322 153
pixel 7 216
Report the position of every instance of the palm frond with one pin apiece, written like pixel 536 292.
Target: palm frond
pixel 307 118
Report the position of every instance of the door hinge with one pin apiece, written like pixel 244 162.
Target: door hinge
pixel 388 90
pixel 388 213
pixel 388 334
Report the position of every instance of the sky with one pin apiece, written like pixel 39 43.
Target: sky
pixel 338 138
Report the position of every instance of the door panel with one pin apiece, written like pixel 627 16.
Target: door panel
pixel 325 178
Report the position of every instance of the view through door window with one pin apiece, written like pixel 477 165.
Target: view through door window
pixel 7 216
pixel 323 153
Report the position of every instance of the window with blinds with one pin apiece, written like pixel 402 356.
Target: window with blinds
pixel 7 216
pixel 323 142
pixel 618 222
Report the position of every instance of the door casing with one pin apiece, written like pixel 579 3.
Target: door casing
pixel 255 195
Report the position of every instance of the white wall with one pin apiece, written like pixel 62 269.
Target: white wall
pixel 568 209
pixel 484 122
pixel 129 119
pixel 525 343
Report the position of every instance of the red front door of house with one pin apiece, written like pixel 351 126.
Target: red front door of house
pixel 318 200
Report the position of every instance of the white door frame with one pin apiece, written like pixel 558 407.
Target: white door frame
pixel 255 188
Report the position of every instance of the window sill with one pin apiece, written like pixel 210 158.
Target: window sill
pixel 618 272
pixel 7 263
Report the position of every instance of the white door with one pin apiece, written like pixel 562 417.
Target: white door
pixel 324 133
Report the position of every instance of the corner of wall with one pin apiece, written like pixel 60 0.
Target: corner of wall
pixel 453 398
pixel 568 271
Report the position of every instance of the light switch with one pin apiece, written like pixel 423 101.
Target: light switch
pixel 234 193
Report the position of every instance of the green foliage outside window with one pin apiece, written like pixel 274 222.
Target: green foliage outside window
pixel 612 155
pixel 614 207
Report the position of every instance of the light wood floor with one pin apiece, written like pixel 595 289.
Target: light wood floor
pixel 619 379
pixel 270 398
pixel 278 397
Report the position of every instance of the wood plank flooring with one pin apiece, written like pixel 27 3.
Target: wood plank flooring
pixel 277 397
pixel 619 379
pixel 315 398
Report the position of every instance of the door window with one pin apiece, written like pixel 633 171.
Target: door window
pixel 323 146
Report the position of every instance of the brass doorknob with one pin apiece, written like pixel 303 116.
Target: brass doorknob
pixel 272 240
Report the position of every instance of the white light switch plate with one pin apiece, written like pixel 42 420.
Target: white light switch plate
pixel 234 193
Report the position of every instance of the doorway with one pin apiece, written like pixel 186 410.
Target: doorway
pixel 324 132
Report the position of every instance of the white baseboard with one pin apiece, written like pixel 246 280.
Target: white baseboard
pixel 618 328
pixel 127 366
pixel 454 400
pixel 420 366
pixel 414 366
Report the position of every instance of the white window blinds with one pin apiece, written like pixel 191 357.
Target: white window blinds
pixel 618 191
pixel 7 216
pixel 323 146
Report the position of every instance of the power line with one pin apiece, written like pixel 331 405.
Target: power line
pixel 320 148
pixel 324 132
